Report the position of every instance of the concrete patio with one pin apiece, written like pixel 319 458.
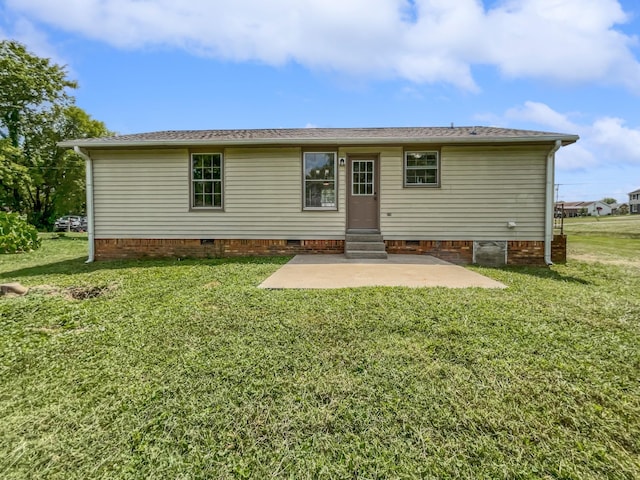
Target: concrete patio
pixel 336 271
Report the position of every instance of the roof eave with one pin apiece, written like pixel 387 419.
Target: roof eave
pixel 565 139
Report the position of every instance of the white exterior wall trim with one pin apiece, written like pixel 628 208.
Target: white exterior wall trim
pixel 89 182
pixel 548 220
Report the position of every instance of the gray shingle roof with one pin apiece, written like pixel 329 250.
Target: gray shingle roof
pixel 347 136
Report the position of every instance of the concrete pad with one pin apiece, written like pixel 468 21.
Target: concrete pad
pixel 337 271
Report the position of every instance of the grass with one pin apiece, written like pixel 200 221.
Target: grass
pixel 184 369
pixel 623 226
pixel 606 239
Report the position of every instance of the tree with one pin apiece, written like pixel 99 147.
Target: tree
pixel 28 84
pixel 57 176
pixel 12 173
pixel 36 112
pixel 609 200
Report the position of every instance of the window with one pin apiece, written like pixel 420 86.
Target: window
pixel 362 177
pixel 206 180
pixel 319 180
pixel 421 169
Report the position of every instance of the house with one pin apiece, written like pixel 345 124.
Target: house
pixel 592 208
pixel 619 208
pixel 634 202
pixel 456 193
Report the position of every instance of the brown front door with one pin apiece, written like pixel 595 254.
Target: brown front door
pixel 363 211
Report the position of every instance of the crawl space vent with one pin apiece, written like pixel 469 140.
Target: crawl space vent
pixel 490 253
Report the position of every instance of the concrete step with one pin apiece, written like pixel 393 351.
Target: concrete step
pixel 369 246
pixel 366 254
pixel 363 237
pixel 366 244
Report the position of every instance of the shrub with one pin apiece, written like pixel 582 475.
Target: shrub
pixel 16 235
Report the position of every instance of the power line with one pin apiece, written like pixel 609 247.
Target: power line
pixel 588 183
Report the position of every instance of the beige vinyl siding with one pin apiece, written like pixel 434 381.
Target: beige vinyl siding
pixel 133 190
pixel 482 189
pixel 145 194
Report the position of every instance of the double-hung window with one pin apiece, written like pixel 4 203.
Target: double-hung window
pixel 319 180
pixel 206 180
pixel 421 169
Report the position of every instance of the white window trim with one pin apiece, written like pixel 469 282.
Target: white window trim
pixel 192 181
pixel 405 168
pixel 335 182
pixel 373 181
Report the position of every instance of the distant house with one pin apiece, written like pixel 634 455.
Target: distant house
pixel 634 202
pixel 576 209
pixel 446 192
pixel 619 208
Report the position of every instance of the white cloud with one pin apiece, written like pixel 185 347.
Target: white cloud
pixel 569 40
pixel 425 42
pixel 621 141
pixel 36 41
pixel 542 114
pixel 576 157
pixel 604 141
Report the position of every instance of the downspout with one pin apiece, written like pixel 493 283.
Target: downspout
pixel 89 174
pixel 549 210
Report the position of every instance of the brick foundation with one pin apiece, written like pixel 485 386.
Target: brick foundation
pixel 525 252
pixel 121 248
pixel 559 249
pixel 454 251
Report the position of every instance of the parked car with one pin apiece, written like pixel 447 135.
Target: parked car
pixel 68 222
pixel 82 225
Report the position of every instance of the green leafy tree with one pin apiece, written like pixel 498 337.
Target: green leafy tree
pixel 28 85
pixel 36 112
pixel 13 174
pixel 57 176
pixel 609 200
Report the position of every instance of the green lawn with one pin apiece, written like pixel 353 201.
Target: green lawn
pixel 607 239
pixel 623 226
pixel 184 369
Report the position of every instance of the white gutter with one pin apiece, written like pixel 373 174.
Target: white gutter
pixel 549 210
pixel 89 176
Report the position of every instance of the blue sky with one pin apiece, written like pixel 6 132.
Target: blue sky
pixel 570 66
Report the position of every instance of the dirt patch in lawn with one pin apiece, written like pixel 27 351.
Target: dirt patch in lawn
pixel 75 293
pixel 84 293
